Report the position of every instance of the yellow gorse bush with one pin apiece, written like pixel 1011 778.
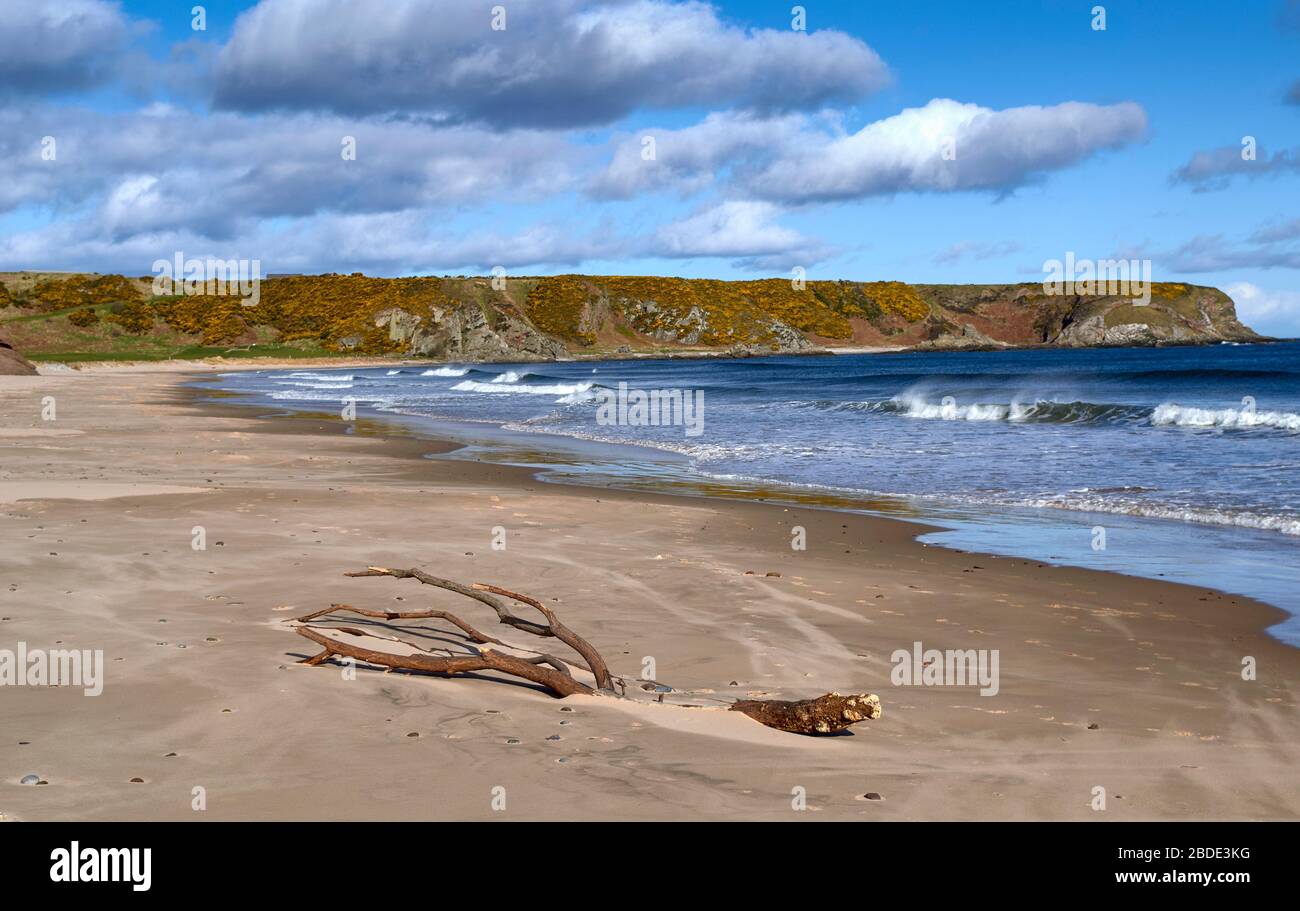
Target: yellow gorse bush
pixel 715 312
pixel 84 291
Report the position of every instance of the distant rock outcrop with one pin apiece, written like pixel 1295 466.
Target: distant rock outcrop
pixel 11 362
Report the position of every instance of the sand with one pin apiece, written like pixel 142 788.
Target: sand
pixel 1105 681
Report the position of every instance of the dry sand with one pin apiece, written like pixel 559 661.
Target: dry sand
pixel 1106 681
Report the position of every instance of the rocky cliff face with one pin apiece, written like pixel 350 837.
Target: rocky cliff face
pixel 1023 315
pixel 465 333
pixel 591 313
pixel 538 319
pixel 476 319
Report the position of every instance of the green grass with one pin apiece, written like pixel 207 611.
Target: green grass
pixel 50 338
pixel 32 317
pixel 186 353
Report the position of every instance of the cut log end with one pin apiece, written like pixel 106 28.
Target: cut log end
pixel 828 714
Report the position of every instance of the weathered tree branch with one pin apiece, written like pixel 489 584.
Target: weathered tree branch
pixel 595 663
pixel 828 714
pixel 561 683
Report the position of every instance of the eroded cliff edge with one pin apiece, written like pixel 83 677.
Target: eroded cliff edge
pixel 546 318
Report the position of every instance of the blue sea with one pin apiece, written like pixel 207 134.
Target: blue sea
pixel 1175 463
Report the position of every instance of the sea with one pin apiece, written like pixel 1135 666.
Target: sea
pixel 1179 463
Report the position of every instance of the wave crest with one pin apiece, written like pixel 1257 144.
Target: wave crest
pixel 1170 414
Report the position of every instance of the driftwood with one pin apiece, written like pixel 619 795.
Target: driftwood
pixel 826 714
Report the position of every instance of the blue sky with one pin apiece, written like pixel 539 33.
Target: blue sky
pixel 774 149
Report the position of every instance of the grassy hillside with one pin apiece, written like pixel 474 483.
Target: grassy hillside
pixel 72 317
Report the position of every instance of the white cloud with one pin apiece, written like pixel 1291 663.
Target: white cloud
pixel 1269 312
pixel 60 46
pixel 986 149
pixel 688 160
pixel 557 63
pixel 214 174
pixel 796 159
pixel 1215 168
pixel 743 230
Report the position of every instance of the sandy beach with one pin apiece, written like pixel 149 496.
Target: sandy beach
pixel 1106 681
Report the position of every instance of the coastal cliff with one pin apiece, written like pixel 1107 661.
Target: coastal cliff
pixel 555 317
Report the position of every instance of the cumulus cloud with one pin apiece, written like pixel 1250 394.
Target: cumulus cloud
pixel 690 159
pixel 1270 312
pixel 944 146
pixel 383 243
pixel 989 150
pixel 557 63
pixel 1214 169
pixel 744 230
pixel 166 167
pixel 59 47
pixel 453 120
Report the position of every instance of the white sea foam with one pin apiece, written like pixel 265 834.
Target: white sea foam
pixel 949 410
pixel 392 373
pixel 1203 515
pixel 310 394
pixel 501 387
pixel 1170 414
pixel 314 385
pixel 446 371
pixel 581 395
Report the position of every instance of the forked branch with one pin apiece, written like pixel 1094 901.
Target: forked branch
pixel 828 714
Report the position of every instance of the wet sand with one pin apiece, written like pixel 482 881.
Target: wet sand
pixel 1106 681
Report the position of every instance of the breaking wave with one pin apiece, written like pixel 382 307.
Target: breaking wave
pixel 1203 515
pixel 1227 418
pixel 503 386
pixel 1037 412
pixel 949 408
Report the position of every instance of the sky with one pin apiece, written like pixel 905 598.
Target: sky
pixel 869 140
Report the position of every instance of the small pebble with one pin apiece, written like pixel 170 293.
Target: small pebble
pixel 30 779
pixel 555 737
pixel 872 795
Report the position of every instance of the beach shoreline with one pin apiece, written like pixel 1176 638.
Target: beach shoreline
pixel 1131 685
